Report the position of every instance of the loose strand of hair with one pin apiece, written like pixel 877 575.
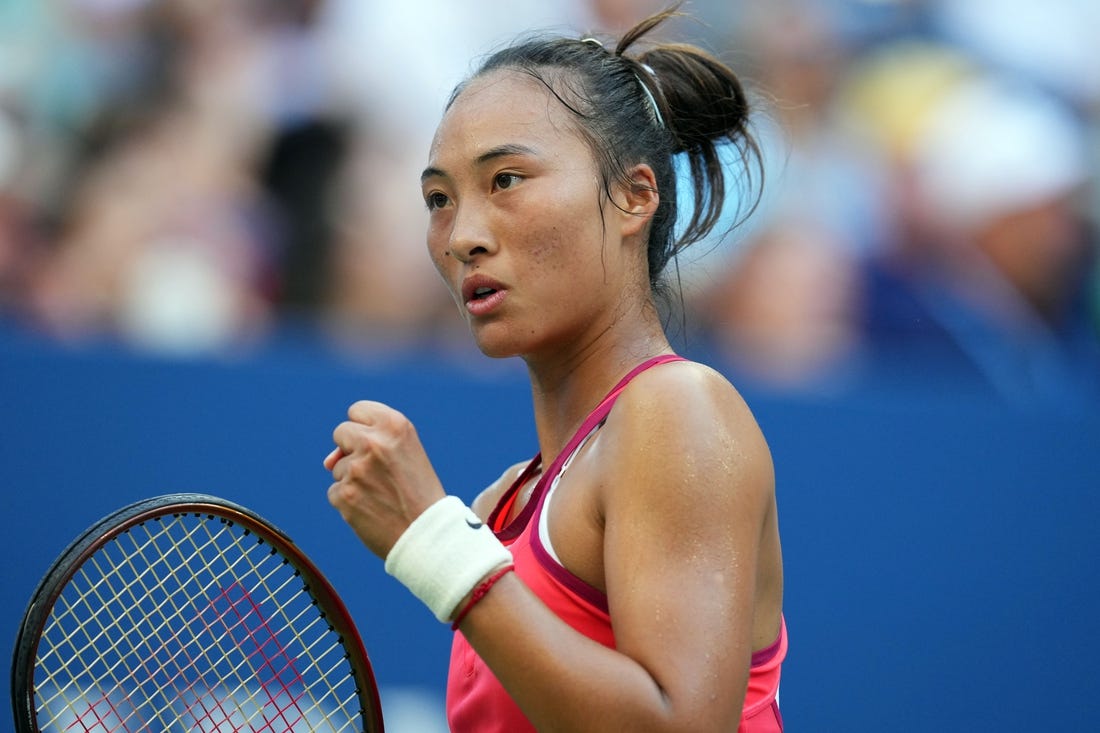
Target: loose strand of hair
pixel 644 27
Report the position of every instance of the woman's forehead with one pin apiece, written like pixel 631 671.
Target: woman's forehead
pixel 500 108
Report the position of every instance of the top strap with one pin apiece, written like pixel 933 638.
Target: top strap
pixel 511 530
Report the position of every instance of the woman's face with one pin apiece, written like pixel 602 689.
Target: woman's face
pixel 517 221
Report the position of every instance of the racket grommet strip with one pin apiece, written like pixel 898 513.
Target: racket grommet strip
pixel 444 554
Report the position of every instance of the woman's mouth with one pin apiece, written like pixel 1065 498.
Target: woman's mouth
pixel 482 295
pixel 484 303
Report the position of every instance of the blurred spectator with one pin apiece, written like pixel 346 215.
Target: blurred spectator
pixel 992 284
pixel 775 298
pixel 154 233
pixel 1052 44
pixel 156 244
pixel 164 210
pixel 17 246
pixel 382 292
pixel 783 317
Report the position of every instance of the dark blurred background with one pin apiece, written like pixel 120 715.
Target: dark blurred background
pixel 211 241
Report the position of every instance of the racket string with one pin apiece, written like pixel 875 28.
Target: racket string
pixel 225 657
pixel 106 608
pixel 307 648
pixel 229 640
pixel 127 560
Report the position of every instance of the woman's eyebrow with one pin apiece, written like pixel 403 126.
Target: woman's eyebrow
pixel 430 172
pixel 500 151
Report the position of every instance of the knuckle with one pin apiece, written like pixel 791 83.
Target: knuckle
pixel 376 414
pixel 408 430
pixel 335 495
pixel 358 470
pixel 346 493
pixel 342 494
pixel 367 412
pixel 343 429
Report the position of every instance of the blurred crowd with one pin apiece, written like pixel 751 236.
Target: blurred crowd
pixel 194 177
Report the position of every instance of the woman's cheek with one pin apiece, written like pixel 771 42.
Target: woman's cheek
pixel 437 249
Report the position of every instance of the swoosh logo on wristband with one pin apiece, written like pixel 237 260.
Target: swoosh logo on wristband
pixel 474 525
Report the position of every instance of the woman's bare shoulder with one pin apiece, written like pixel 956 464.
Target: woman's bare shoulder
pixel 686 389
pixel 689 410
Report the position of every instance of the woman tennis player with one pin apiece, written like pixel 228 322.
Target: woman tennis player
pixel 629 577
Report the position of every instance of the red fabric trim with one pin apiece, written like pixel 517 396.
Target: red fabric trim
pixel 479 592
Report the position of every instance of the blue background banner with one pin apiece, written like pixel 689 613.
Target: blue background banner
pixel 940 557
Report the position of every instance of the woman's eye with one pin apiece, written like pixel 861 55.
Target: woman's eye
pixel 435 200
pixel 505 180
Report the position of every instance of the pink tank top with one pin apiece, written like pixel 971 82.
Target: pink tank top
pixel 477 702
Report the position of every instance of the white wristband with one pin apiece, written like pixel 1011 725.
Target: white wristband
pixel 444 553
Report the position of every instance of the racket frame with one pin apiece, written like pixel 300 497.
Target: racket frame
pixel 99 534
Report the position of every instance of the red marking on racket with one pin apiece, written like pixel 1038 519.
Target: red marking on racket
pixel 249 629
pixel 99 720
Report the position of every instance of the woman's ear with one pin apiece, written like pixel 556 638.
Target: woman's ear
pixel 638 203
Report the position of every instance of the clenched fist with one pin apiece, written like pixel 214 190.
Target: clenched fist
pixel 383 478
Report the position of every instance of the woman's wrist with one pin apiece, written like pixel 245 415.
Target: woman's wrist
pixel 444 555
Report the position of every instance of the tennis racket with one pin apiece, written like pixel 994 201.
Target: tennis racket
pixel 187 612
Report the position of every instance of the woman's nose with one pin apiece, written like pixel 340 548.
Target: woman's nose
pixel 471 235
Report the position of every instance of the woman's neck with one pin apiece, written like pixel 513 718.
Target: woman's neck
pixel 564 390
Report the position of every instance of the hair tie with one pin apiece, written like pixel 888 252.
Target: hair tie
pixel 649 94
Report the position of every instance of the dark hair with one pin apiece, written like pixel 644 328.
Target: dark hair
pixel 700 105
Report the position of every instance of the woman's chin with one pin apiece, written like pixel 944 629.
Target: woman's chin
pixel 493 347
pixel 494 351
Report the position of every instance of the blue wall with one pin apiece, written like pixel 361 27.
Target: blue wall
pixel 940 558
